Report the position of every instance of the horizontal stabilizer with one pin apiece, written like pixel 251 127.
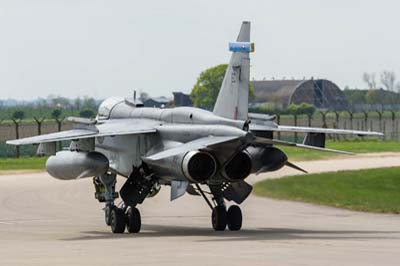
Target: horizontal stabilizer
pixel 259 140
pixel 278 128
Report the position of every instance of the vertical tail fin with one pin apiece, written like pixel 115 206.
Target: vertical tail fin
pixel 233 97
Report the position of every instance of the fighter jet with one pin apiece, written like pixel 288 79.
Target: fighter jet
pixel 193 151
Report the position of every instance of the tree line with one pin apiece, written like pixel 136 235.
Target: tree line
pixel 50 108
pixel 384 90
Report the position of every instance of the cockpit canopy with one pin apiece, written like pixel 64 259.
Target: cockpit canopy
pixel 106 107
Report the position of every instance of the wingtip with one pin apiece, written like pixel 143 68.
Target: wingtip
pixel 12 142
pixel 372 133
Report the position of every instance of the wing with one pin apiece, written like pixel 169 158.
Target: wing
pixel 258 127
pixel 108 128
pixel 202 143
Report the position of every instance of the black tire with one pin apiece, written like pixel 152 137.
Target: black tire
pixel 117 220
pixel 234 218
pixel 219 218
pixel 133 220
pixel 107 214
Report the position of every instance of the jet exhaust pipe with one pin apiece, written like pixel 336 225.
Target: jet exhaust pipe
pixel 199 166
pixel 239 167
pixel 68 165
pixel 195 166
pixel 266 159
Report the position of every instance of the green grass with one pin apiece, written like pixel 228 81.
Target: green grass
pixel 373 190
pixel 356 146
pixel 24 163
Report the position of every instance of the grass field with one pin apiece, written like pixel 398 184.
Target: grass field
pixel 356 146
pixel 373 190
pixel 28 163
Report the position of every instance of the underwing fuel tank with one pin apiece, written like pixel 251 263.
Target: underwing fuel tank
pixel 68 165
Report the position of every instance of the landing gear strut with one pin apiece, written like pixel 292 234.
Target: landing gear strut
pixel 117 217
pixel 105 192
pixel 220 217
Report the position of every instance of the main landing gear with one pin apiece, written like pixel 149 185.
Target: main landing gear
pixel 220 216
pixel 117 217
pixel 120 218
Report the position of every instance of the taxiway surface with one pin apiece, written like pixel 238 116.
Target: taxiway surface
pixel 45 221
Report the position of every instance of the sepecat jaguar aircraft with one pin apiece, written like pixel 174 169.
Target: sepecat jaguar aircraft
pixel 191 150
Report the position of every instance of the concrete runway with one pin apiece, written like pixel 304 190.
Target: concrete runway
pixel 45 221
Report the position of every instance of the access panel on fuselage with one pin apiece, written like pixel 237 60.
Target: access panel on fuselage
pixel 125 151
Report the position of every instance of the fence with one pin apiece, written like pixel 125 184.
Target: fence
pixel 385 122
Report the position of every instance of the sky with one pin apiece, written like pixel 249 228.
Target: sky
pixel 110 48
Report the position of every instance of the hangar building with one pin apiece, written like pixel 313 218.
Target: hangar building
pixel 322 93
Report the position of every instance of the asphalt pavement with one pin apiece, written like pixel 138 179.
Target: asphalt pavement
pixel 45 221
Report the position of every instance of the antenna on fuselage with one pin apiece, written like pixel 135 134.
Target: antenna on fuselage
pixel 133 102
